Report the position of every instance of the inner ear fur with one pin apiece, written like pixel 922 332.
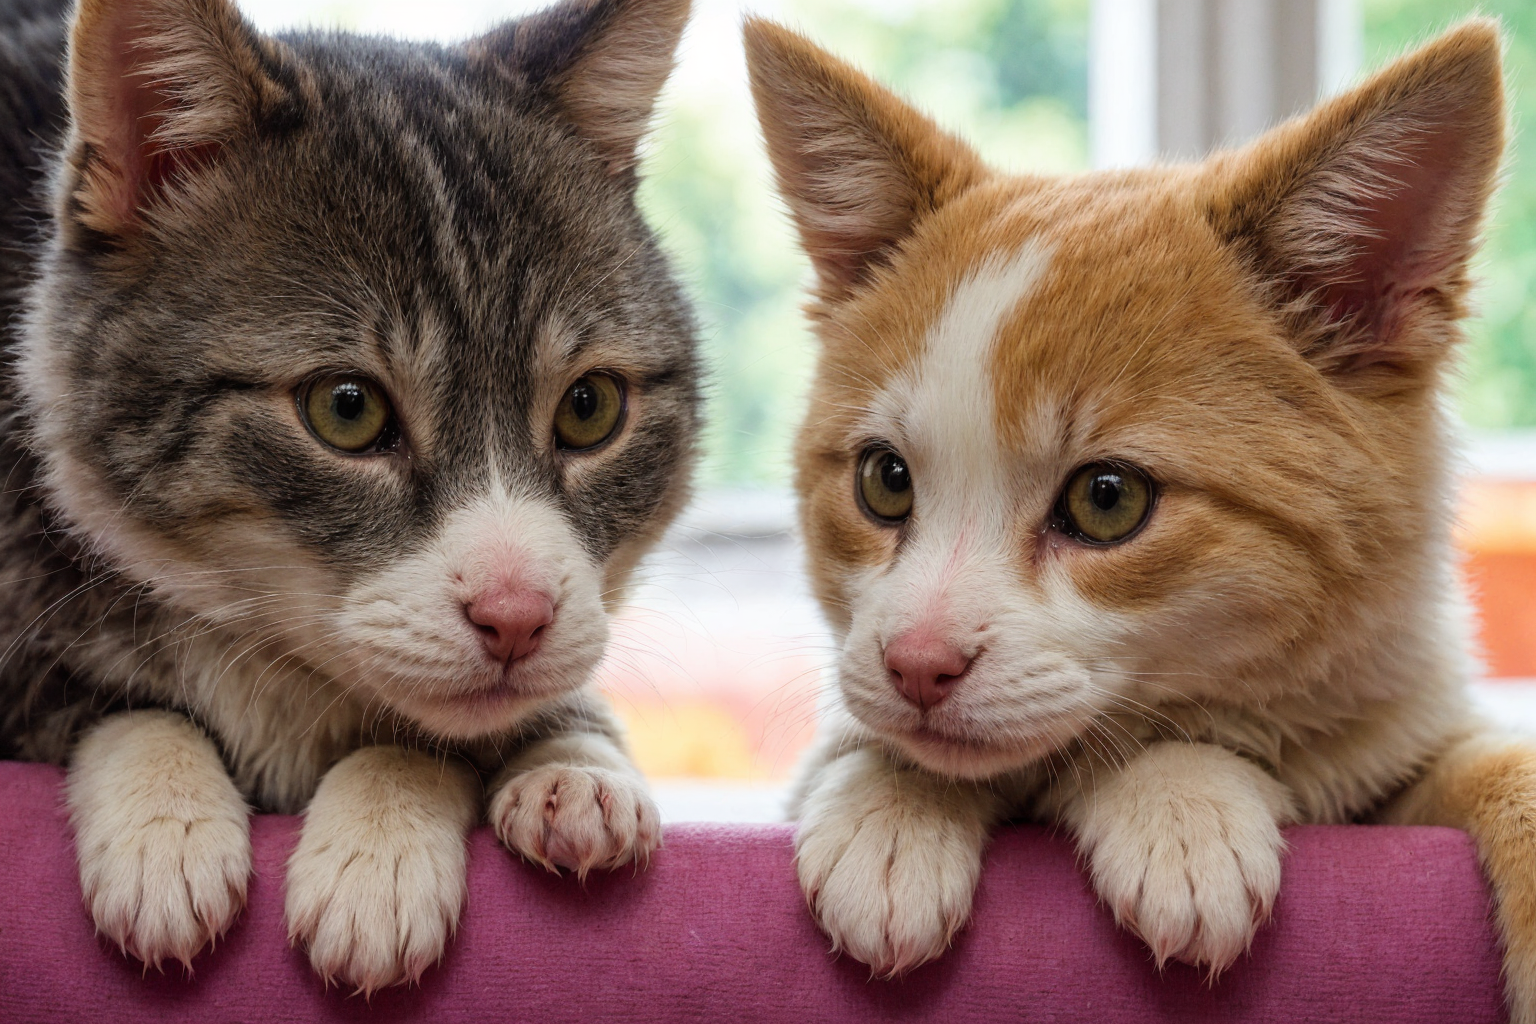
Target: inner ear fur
pixel 603 62
pixel 156 88
pixel 856 165
pixel 1363 215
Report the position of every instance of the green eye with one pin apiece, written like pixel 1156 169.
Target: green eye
pixel 347 412
pixel 885 485
pixel 1105 503
pixel 589 412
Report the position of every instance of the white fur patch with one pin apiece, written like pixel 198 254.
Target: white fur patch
pixel 940 414
pixel 425 656
pixel 944 404
pixel 949 397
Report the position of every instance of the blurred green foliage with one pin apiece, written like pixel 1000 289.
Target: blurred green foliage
pixel 1499 390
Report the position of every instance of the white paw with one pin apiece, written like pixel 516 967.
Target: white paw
pixel 378 879
pixel 888 870
pixel 576 817
pixel 374 915
pixel 164 889
pixel 1188 857
pixel 162 836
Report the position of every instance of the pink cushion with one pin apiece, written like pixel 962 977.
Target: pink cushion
pixel 1373 924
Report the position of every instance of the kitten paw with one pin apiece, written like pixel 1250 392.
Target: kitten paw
pixel 1187 854
pixel 888 870
pixel 374 915
pixel 167 888
pixel 576 817
pixel 162 836
pixel 378 879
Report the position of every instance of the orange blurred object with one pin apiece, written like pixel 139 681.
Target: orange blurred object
pixel 740 706
pixel 1498 533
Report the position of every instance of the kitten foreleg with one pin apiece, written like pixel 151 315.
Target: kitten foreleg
pixel 377 881
pixel 888 857
pixel 162 835
pixel 1183 843
pixel 577 802
pixel 1487 786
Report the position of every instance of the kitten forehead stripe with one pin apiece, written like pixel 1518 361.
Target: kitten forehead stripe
pixel 945 402
pixel 955 369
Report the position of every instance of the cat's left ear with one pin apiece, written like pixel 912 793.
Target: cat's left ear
pixel 603 62
pixel 156 89
pixel 1362 216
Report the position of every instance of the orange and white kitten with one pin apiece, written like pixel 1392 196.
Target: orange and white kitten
pixel 1130 495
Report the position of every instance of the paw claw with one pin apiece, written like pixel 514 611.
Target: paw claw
pixel 372 920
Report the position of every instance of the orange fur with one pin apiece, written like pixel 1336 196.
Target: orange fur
pixel 1266 335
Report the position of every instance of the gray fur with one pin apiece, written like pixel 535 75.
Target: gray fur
pixel 427 206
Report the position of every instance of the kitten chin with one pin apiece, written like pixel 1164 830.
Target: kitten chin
pixel 965 757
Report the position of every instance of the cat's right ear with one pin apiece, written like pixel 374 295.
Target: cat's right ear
pixel 602 62
pixel 857 166
pixel 156 88
pixel 1363 216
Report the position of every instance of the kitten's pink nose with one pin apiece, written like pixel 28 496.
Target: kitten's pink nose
pixel 925 668
pixel 510 620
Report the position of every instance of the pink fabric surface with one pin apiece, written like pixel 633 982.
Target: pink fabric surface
pixel 1373 924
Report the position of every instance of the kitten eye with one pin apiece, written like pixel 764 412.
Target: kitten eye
pixel 589 412
pixel 1105 503
pixel 347 412
pixel 885 485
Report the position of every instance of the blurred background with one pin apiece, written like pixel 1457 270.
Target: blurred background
pixel 722 661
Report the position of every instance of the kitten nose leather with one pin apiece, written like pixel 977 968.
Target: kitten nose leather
pixel 510 621
pixel 924 668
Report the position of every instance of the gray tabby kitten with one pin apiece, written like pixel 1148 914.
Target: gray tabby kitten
pixel 346 387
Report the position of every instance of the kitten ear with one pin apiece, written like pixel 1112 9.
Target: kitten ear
pixel 1365 213
pixel 603 61
pixel 156 88
pixel 857 166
